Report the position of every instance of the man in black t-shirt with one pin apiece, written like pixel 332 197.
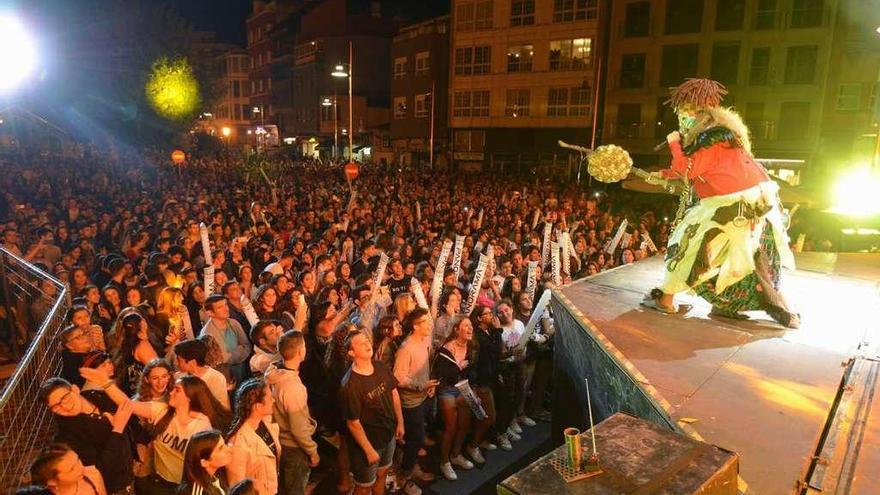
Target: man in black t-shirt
pixel 371 408
pixel 399 282
pixel 361 266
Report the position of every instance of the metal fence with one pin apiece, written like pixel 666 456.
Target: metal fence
pixel 35 305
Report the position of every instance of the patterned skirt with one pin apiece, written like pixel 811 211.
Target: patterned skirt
pixel 729 250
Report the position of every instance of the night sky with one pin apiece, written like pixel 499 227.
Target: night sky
pixel 223 17
pixel 226 18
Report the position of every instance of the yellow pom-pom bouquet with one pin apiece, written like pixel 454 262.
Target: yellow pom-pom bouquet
pixel 609 163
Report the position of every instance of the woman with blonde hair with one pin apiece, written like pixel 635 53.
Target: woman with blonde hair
pixel 172 316
pixel 403 304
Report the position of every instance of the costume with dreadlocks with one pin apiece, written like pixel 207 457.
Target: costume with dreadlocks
pixel 728 247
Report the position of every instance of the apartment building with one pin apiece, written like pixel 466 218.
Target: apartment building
pixel 419 91
pixel 259 46
pixel 233 108
pixel 521 77
pixel 774 56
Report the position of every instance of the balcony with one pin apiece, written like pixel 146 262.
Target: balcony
pixel 760 130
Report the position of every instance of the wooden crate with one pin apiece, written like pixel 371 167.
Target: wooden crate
pixel 636 457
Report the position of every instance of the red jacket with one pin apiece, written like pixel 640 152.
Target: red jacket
pixel 717 169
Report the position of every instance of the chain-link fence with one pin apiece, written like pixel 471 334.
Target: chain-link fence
pixel 34 305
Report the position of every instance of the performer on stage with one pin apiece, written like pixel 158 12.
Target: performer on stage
pixel 728 248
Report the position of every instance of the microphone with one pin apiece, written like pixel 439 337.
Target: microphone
pixel 579 149
pixel 665 144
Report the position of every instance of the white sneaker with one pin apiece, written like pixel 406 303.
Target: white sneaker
pixel 461 462
pixel 526 421
pixel 475 454
pixel 410 488
pixel 448 472
pixel 511 434
pixel 514 426
pixel 504 443
pixel 488 446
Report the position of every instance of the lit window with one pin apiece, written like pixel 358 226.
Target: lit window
pixel 519 58
pixel 573 54
pixel 400 107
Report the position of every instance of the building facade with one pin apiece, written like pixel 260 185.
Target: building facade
pixel 774 56
pixel 233 107
pixel 521 78
pixel 320 100
pixel 850 132
pixel 259 46
pixel 419 92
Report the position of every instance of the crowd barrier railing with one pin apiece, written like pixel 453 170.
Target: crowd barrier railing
pixel 35 305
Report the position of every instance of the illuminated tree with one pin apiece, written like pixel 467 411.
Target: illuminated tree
pixel 172 89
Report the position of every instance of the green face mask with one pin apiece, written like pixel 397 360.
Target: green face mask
pixel 685 122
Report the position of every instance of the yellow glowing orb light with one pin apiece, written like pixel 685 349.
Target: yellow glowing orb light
pixel 857 193
pixel 172 89
pixel 609 163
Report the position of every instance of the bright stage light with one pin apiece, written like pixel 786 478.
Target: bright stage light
pixel 856 193
pixel 18 53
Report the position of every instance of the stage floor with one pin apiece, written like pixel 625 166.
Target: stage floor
pixel 748 386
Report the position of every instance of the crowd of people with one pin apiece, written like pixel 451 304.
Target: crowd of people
pixel 315 316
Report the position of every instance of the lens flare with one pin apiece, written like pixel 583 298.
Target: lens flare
pixel 172 89
pixel 17 53
pixel 856 193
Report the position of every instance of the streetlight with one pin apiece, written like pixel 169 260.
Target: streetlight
pixel 18 53
pixel 259 110
pixel 328 103
pixel 226 132
pixel 339 71
pixel 431 137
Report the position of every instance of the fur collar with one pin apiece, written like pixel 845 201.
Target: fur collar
pixel 719 117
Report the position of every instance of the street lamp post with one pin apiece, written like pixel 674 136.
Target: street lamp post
pixel 339 71
pixel 262 130
pixel 226 132
pixel 431 138
pixel 327 103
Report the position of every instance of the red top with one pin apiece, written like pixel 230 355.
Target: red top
pixel 717 170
